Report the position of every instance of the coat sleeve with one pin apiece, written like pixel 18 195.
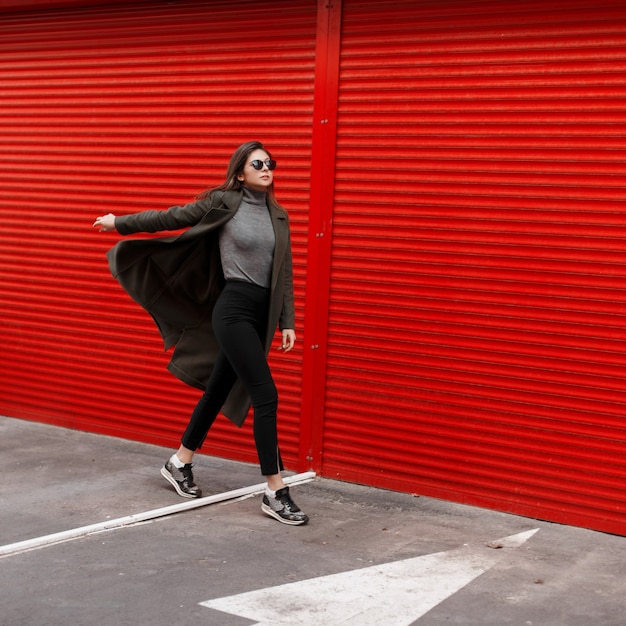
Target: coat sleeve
pixel 152 221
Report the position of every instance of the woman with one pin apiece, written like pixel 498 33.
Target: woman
pixel 218 292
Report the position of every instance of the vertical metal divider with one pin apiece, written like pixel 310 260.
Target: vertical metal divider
pixel 324 141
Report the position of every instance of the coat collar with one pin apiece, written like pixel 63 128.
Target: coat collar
pixel 232 199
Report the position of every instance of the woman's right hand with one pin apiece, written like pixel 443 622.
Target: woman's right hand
pixel 105 223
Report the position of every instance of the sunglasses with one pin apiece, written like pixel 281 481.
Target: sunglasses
pixel 258 165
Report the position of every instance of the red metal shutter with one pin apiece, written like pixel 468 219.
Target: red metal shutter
pixel 123 109
pixel 477 312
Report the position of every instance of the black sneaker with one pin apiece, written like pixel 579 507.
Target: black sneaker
pixel 181 479
pixel 283 508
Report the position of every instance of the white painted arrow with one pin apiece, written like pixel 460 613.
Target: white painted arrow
pixel 394 594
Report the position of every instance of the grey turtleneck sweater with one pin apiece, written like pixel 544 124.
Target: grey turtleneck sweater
pixel 247 241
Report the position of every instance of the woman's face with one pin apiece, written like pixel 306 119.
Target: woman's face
pixel 259 180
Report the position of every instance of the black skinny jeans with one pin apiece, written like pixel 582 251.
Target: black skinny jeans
pixel 239 323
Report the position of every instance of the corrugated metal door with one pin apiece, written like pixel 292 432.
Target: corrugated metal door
pixel 122 109
pixel 477 323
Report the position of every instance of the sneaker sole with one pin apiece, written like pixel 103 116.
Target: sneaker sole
pixel 268 510
pixel 170 479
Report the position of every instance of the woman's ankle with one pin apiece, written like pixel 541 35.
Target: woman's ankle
pixel 185 455
pixel 275 482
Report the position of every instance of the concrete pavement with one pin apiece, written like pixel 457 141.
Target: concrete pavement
pixel 368 556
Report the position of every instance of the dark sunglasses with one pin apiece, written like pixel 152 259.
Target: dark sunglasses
pixel 258 165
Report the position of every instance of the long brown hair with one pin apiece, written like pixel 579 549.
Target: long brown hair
pixel 235 167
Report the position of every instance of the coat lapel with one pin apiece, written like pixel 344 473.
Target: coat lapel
pixel 279 223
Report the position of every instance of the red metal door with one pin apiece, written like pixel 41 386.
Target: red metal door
pixel 476 339
pixel 121 109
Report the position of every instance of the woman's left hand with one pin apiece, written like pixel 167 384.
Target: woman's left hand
pixel 289 339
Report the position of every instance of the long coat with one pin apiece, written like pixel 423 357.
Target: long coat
pixel 178 279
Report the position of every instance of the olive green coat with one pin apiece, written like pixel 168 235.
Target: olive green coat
pixel 178 279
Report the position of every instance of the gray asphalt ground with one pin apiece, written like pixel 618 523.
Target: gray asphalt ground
pixel 158 572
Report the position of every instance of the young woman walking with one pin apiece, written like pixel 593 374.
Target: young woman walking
pixel 218 292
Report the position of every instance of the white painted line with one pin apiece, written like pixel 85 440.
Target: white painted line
pixel 83 531
pixel 394 594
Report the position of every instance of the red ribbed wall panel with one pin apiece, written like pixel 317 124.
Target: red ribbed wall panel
pixel 477 323
pixel 122 109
